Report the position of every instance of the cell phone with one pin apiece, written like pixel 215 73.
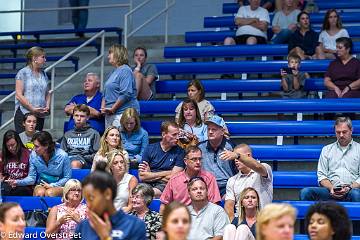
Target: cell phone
pixel 288 70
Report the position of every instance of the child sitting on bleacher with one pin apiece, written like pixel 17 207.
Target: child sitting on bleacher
pixel 292 80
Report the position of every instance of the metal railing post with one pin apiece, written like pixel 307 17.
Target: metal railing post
pixel 102 62
pixel 125 30
pixel 52 108
pixel 166 20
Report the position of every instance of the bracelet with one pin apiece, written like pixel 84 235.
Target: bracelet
pixel 137 69
pixel 349 87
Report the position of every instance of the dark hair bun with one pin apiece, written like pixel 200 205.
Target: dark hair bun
pixel 101 166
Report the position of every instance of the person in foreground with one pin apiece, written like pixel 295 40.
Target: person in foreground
pixel 105 223
pixel 176 221
pixel 328 221
pixel 63 218
pixel 338 168
pixel 276 222
pixel 12 221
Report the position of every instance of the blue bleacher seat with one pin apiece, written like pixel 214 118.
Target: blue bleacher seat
pixel 79 174
pixel 232 51
pixel 31 203
pixel 35 233
pixel 73 59
pixel 261 106
pixel 237 67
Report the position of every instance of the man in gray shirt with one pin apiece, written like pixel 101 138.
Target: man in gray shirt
pixel 338 168
pixel 208 219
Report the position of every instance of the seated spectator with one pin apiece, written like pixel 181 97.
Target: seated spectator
pixel 211 150
pixel 110 140
pixel 163 159
pixel 292 83
pixel 142 195
pixel 92 98
pixel 176 221
pixel 192 128
pixel 328 221
pixel 342 79
pixel 29 123
pixel 82 142
pixel 208 219
pixel 134 138
pixel 253 22
pixel 244 226
pixel 267 4
pixel 63 218
pixel 145 75
pixel 251 174
pixel 176 188
pixel 12 221
pixel 276 221
pixel 338 168
pixel 304 41
pixel 195 91
pixel 284 21
pixel 50 167
pixel 105 222
pixel 118 166
pixel 332 29
pixel 120 87
pixel 14 165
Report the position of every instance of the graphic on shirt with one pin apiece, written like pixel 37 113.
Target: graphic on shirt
pixel 79 142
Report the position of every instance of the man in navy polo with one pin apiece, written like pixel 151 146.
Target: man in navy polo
pixel 163 159
pixel 92 98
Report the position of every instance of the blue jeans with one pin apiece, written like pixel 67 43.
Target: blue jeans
pixel 282 37
pixel 322 193
pixel 79 17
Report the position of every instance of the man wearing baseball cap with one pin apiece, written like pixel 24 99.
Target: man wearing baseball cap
pixel 211 150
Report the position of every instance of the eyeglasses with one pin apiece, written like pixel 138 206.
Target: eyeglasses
pixel 75 190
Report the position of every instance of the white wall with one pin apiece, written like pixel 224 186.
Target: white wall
pixel 10 21
pixel 186 15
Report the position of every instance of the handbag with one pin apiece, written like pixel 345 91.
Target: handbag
pixel 37 217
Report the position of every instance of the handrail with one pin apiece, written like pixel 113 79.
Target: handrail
pixel 168 5
pixel 53 66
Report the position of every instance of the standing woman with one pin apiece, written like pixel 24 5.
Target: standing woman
pixel 145 75
pixel 109 141
pixel 105 222
pixel 328 221
pixel 12 221
pixel 342 78
pixel 134 138
pixel 332 29
pixel 244 226
pixel 176 221
pixel 31 87
pixel 14 164
pixel 195 91
pixel 118 166
pixel 120 87
pixel 276 222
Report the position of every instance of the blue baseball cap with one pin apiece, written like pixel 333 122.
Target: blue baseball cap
pixel 216 120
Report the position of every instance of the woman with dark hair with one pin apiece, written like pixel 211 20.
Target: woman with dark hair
pixel 32 92
pixel 142 195
pixel 145 75
pixel 105 222
pixel 190 123
pixel 342 78
pixel 120 87
pixel 328 221
pixel 50 167
pixel 176 221
pixel 29 124
pixel 14 164
pixel 12 221
pixel 195 91
pixel 332 29
pixel 134 138
pixel 244 226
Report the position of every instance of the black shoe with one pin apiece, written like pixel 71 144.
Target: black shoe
pixel 80 34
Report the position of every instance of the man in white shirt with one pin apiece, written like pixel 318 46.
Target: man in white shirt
pixel 338 168
pixel 252 22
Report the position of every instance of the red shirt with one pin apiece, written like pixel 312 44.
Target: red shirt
pixel 176 188
pixel 15 169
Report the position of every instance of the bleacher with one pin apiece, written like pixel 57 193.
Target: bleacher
pixel 275 154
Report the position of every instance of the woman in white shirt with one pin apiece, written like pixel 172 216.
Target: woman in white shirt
pixel 332 29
